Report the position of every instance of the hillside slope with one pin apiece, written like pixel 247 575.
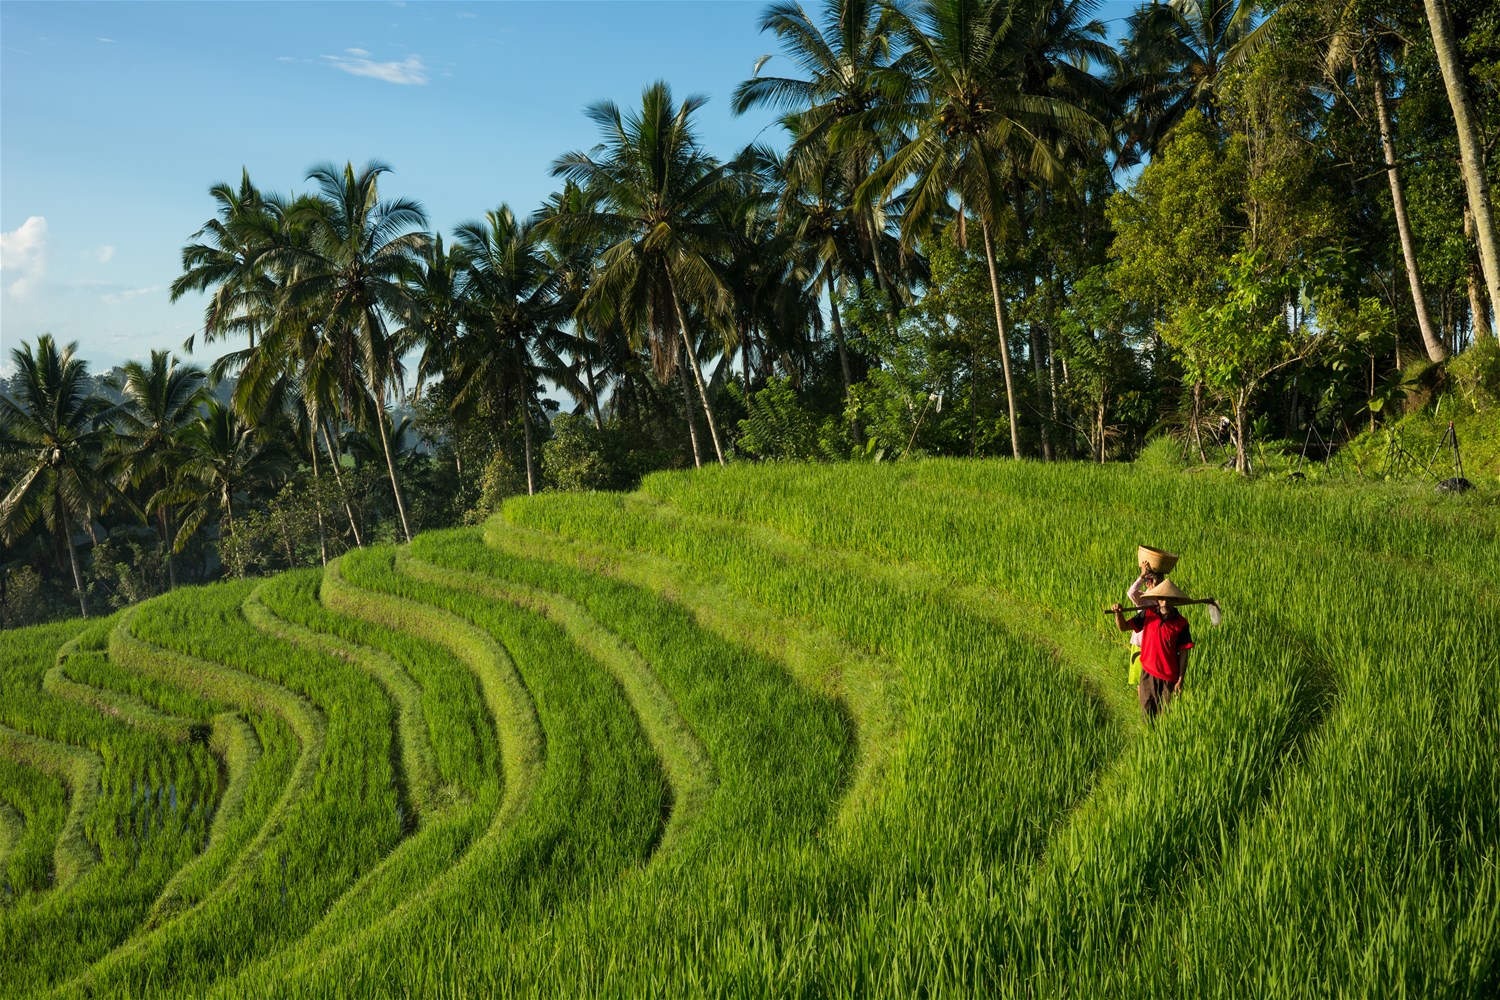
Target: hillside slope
pixel 781 730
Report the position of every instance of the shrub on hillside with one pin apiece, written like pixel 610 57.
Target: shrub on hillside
pixel 504 477
pixel 1162 454
pixel 574 458
pixel 777 426
pixel 1476 375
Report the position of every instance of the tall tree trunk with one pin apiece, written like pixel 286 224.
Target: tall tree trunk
pixel 338 478
pixel 1036 369
pixel 838 328
pixel 164 522
pixel 390 466
pixel 171 562
pixel 1010 396
pixel 1471 154
pixel 1479 316
pixel 588 374
pixel 1241 398
pixel 526 437
pixel 837 322
pixel 692 357
pixel 1052 363
pixel 1099 426
pixel 318 501
pixel 1198 421
pixel 67 530
pixel 1430 339
pixel 974 395
pixel 687 411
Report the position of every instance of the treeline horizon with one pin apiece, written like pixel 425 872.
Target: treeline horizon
pixel 991 232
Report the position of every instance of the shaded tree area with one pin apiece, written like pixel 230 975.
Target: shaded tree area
pixel 986 229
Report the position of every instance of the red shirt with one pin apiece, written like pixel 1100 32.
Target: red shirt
pixel 1161 640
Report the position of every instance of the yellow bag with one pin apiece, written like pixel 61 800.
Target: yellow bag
pixel 1133 673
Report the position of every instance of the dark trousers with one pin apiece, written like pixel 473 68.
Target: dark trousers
pixel 1154 693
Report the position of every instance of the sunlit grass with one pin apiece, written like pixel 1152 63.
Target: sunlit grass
pixel 782 730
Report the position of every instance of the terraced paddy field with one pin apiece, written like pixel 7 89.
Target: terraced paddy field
pixel 813 731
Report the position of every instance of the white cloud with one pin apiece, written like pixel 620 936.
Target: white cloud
pixel 116 298
pixel 24 251
pixel 107 41
pixel 467 15
pixel 410 70
pixel 104 254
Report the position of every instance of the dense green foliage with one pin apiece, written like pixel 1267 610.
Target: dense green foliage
pixel 837 730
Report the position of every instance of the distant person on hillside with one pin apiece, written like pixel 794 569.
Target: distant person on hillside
pixel 1165 642
pixel 1154 564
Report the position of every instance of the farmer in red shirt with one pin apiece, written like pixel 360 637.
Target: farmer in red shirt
pixel 1165 641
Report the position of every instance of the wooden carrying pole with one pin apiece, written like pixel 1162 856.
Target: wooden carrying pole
pixel 1152 607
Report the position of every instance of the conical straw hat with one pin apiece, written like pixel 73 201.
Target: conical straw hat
pixel 1167 590
pixel 1158 559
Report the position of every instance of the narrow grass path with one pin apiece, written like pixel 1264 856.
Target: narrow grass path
pixel 683 757
pixel 225 684
pixel 230 740
pixel 12 832
pixel 79 770
pixel 414 766
pixel 511 710
pixel 592 812
pixel 164 956
pixel 40 803
pixel 155 788
pixel 869 687
pixel 116 705
pixel 467 790
pixel 783 756
pixel 970 685
pixel 252 766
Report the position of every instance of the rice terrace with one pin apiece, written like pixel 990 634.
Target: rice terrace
pixel 776 731
pixel 943 499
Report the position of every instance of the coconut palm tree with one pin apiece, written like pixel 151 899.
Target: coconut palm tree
pixel 1470 148
pixel 510 288
pixel 229 260
pixel 61 430
pixel 657 191
pixel 846 61
pixel 223 456
pixel 353 278
pixel 972 129
pixel 1175 52
pixel 161 400
pixel 573 257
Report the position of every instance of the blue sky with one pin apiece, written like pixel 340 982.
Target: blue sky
pixel 115 118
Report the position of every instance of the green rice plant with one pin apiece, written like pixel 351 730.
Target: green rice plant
pixel 77 768
pixel 415 769
pixel 464 751
pixel 776 761
pixel 585 818
pixel 246 784
pixel 1325 569
pixel 12 830
pixel 155 788
pixel 688 768
pixel 835 731
pixel 39 803
pixel 336 816
pixel 964 681
pixel 867 686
